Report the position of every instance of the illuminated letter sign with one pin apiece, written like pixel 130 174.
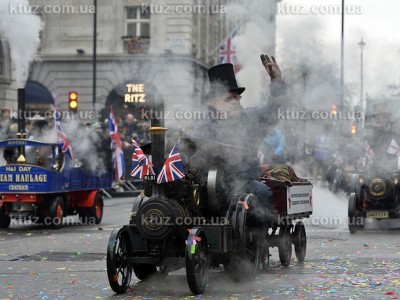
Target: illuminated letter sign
pixel 135 93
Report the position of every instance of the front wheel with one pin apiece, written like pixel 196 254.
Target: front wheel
pixel 353 213
pixel 118 269
pixel 197 262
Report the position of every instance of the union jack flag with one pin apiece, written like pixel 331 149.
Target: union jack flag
pixel 227 51
pixel 116 147
pixel 62 140
pixel 369 153
pixel 173 167
pixel 393 148
pixel 141 165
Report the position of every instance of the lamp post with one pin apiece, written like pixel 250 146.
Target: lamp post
pixel 341 107
pixel 361 44
pixel 94 60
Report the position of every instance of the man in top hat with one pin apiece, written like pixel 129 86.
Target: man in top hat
pixel 242 128
pixel 380 134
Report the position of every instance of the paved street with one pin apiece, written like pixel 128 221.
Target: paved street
pixel 39 263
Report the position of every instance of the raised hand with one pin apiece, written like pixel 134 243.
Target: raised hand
pixel 271 66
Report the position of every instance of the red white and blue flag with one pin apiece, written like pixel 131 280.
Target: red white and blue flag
pixel 141 165
pixel 116 147
pixel 62 140
pixel 173 167
pixel 369 153
pixel 227 51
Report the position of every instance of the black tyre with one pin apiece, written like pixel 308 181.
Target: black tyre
pixel 285 246
pixel 246 262
pixel 4 218
pixel 354 220
pixel 55 213
pixel 299 239
pixel 197 262
pixel 95 213
pixel 118 269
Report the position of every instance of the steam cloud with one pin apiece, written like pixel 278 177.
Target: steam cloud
pixel 21 30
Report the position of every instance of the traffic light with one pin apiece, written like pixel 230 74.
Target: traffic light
pixel 353 129
pixel 333 110
pixel 73 101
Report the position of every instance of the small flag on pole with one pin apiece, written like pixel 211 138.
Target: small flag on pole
pixel 394 149
pixel 173 167
pixel 369 153
pixel 62 139
pixel 116 147
pixel 141 165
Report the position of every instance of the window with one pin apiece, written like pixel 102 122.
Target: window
pixel 1 59
pixel 137 22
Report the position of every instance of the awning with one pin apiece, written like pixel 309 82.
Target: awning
pixel 37 97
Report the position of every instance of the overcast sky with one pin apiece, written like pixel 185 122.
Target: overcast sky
pixel 378 22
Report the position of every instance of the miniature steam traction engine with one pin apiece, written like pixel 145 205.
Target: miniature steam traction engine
pixel 201 221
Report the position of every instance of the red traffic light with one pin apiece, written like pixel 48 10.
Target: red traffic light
pixel 333 109
pixel 73 101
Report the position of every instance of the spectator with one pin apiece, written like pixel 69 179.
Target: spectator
pixel 272 147
pixel 322 154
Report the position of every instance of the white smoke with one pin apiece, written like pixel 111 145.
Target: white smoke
pixel 21 30
pixel 256 37
pixel 170 75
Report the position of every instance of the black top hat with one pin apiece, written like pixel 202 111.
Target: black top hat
pixel 222 79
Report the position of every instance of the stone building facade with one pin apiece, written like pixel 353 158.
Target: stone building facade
pixel 162 45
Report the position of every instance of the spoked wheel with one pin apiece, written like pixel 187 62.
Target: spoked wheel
pixel 285 246
pixel 197 261
pixel 55 213
pixel 299 240
pixel 246 262
pixel 353 214
pixel 118 270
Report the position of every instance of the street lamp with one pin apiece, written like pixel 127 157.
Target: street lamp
pixel 361 44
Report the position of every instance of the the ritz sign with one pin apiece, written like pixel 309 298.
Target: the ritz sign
pixel 135 93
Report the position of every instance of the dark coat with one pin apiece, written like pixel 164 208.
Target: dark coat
pixel 246 131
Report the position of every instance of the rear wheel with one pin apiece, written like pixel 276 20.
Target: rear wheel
pixel 299 239
pixel 246 262
pixel 93 215
pixel 55 213
pixel 118 269
pixel 285 246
